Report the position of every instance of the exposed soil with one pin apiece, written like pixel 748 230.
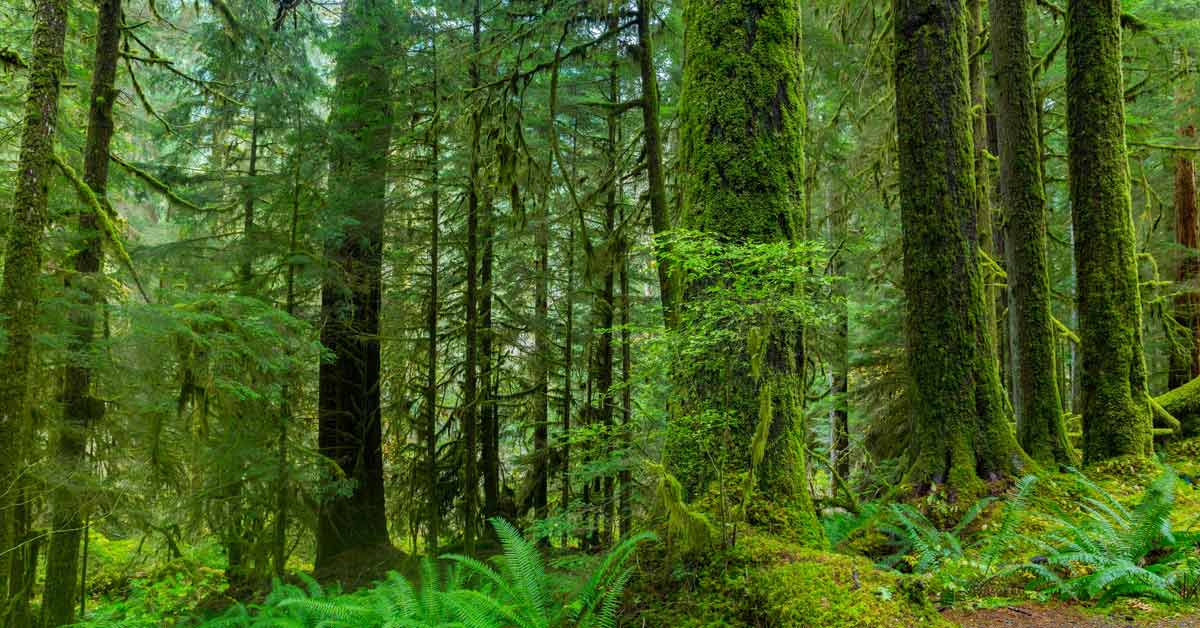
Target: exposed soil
pixel 1061 616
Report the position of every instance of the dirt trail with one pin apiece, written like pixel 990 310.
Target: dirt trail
pixel 1061 616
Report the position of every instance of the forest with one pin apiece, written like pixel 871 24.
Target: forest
pixel 599 313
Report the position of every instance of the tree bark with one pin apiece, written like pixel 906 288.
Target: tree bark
pixel 350 430
pixel 1116 413
pixel 742 137
pixel 1040 428
pixel 433 514
pixel 652 144
pixel 19 298
pixel 470 410
pixel 1185 358
pixel 80 408
pixel 960 434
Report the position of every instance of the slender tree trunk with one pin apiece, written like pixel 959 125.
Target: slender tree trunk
pixel 489 428
pixel 1185 359
pixel 433 515
pixel 350 430
pixel 541 359
pixel 626 496
pixel 470 393
pixel 651 136
pixel 1116 413
pixel 839 449
pixel 960 433
pixel 983 179
pixel 742 136
pixel 282 501
pixel 19 298
pixel 1040 428
pixel 568 375
pixel 80 408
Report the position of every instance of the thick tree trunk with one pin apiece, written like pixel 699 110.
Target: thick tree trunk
pixel 80 408
pixel 1185 358
pixel 742 135
pixel 1040 429
pixel 960 432
pixel 1116 412
pixel 19 298
pixel 350 430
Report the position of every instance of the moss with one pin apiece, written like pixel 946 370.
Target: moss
pixel 1116 416
pixel 1183 403
pixel 742 136
pixel 768 581
pixel 1040 427
pixel 960 434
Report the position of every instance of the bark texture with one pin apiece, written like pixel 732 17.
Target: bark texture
pixel 1185 359
pixel 1040 429
pixel 350 431
pixel 19 299
pixel 742 135
pixel 80 408
pixel 960 434
pixel 1116 412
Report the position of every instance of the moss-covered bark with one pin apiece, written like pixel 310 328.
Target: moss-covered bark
pixel 19 297
pixel 1183 403
pixel 1116 413
pixel 960 433
pixel 1040 428
pixel 350 433
pixel 742 132
pixel 80 408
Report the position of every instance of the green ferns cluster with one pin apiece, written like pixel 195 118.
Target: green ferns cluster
pixel 515 591
pixel 1112 551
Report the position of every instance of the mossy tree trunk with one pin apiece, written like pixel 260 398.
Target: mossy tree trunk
pixel 350 431
pixel 742 135
pixel 960 432
pixel 1185 358
pixel 979 132
pixel 80 408
pixel 1116 411
pixel 651 135
pixel 1040 429
pixel 19 299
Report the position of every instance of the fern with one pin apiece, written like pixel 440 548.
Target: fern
pixel 1111 551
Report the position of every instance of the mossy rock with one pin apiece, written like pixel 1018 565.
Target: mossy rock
pixel 765 581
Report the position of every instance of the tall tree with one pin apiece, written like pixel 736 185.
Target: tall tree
pixel 1185 359
pixel 80 408
pixel 742 137
pixel 652 138
pixel 350 430
pixel 19 299
pixel 959 430
pixel 1116 410
pixel 1040 428
pixel 470 409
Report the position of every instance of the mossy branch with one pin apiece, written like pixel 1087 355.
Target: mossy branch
pixel 1065 331
pixel 153 182
pixel 1162 418
pixel 104 214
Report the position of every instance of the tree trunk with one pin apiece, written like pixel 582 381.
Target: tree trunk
pixel 742 137
pixel 654 160
pixel 433 516
pixel 1185 358
pixel 1116 412
pixel 1040 429
pixel 568 375
pixel 80 408
pixel 350 430
pixel 19 296
pixel 979 132
pixel 960 434
pixel 839 415
pixel 541 359
pixel 470 413
pixel 625 508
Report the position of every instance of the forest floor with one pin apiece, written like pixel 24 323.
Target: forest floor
pixel 1062 615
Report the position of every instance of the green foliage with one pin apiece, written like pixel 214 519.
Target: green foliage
pixel 1109 550
pixel 516 592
